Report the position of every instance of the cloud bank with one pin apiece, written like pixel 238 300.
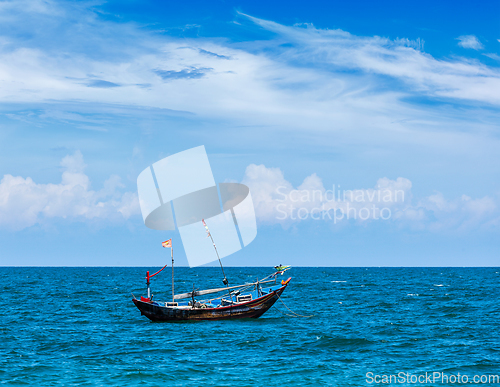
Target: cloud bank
pixel 24 203
pixel 278 202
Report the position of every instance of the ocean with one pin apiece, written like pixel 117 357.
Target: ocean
pixel 78 326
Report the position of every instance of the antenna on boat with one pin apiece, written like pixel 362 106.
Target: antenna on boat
pixel 147 283
pixel 224 281
pixel 148 276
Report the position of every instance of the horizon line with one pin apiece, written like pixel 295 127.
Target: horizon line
pixel 208 267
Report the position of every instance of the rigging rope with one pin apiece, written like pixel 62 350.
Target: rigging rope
pixel 294 314
pixel 283 313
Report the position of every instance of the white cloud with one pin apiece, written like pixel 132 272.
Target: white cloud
pixel 263 183
pixel 470 41
pixel 493 56
pixel 337 87
pixel 307 83
pixel 460 214
pixel 24 203
pixel 278 202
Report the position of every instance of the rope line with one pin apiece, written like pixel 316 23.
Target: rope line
pixel 294 314
pixel 283 313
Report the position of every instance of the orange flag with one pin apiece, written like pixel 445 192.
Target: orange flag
pixel 167 243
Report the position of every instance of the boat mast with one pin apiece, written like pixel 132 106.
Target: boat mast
pixel 168 244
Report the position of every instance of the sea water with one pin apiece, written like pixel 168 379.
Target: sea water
pixel 78 326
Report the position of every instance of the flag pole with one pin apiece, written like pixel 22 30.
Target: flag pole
pixel 172 255
pixel 168 243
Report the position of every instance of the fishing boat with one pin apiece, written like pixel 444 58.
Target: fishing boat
pixel 248 300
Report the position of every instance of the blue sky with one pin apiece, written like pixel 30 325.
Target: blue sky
pixel 362 95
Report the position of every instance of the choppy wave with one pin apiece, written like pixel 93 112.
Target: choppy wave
pixel 63 326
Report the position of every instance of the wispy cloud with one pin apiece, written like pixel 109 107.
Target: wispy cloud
pixel 304 78
pixel 493 56
pixel 470 41
pixel 337 50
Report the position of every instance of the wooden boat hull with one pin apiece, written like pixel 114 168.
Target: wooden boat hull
pixel 250 309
